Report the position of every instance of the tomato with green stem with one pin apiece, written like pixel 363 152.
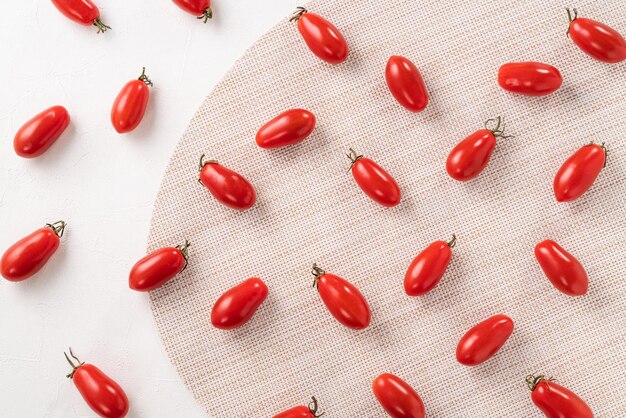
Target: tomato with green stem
pixel 227 186
pixel 321 36
pixel 158 267
pixel 199 8
pixel 562 269
pixel 302 411
pixel 238 304
pixel 130 105
pixel 397 397
pixel 288 128
pixel 428 267
pixel 579 172
pixel 556 401
pixel 84 12
pixel 375 182
pixel 38 134
pixel 483 340
pixel 596 39
pixel 406 83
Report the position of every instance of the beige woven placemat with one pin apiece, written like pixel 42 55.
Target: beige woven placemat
pixel 310 210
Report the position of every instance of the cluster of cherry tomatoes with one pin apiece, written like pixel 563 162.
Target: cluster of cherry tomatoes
pixel 344 301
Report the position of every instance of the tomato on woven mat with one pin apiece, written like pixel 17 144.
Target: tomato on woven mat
pixel 427 269
pixel 375 182
pixel 38 134
pixel 562 269
pixel 596 39
pixel 84 12
pixel 238 304
pixel 130 104
pixel 199 8
pixel 288 128
pixel 302 411
pixel 556 401
pixel 406 84
pixel 483 340
pixel 321 36
pixel 228 187
pixel 578 172
pixel 397 397
pixel 158 267
pixel 529 78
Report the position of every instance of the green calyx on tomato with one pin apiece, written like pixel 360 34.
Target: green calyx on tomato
pixel 143 77
pixel 101 26
pixel 498 130
pixel 313 407
pixel 203 163
pixel 184 250
pixel 571 17
pixel 298 13
pixel 57 227
pixel 208 14
pixel 74 367
pixel 532 380
pixel 354 157
pixel 452 242
pixel 317 273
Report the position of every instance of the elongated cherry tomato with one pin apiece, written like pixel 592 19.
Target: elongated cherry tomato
pixel 529 78
pixel 238 304
pixel 158 267
pixel 562 268
pixel 322 38
pixel 406 84
pixel 578 172
pixel 484 340
pixel 199 8
pixel 374 180
pixel 555 401
pixel 228 187
pixel 27 256
pixel 130 104
pixel 596 39
pixel 38 134
pixel 103 395
pixel 83 12
pixel 301 411
pixel 288 128
pixel 343 299
pixel 428 267
pixel 397 397
pixel 470 156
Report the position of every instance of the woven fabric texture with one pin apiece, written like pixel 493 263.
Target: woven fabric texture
pixel 309 209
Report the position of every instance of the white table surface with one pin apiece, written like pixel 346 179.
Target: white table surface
pixel 103 185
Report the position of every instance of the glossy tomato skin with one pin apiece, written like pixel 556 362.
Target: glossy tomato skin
pixel 578 172
pixel 397 397
pixel 194 7
pixel 470 156
pixel 288 128
pixel 38 134
pixel 427 269
pixel 130 104
pixel 238 304
pixel 598 40
pixel 529 78
pixel 484 340
pixel 556 401
pixel 103 395
pixel 84 12
pixel 296 412
pixel 157 268
pixel 406 84
pixel 375 181
pixel 322 37
pixel 228 187
pixel 562 269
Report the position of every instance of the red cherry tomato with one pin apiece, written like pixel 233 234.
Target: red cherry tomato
pixel 562 268
pixel 38 134
pixel 301 411
pixel 529 78
pixel 199 8
pixel 27 256
pixel 288 128
pixel 130 104
pixel 596 39
pixel 397 397
pixel 238 304
pixel 374 180
pixel 228 187
pixel 83 12
pixel 470 156
pixel 343 299
pixel 555 401
pixel 158 267
pixel 578 172
pixel 103 395
pixel 406 84
pixel 428 268
pixel 322 38
pixel 484 340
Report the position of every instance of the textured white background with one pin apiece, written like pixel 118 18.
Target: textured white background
pixel 103 185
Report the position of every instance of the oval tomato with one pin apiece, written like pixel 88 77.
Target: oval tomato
pixel 228 187
pixel 484 340
pixel 158 267
pixel 596 39
pixel 374 180
pixel 39 133
pixel 83 12
pixel 529 78
pixel 561 268
pixel 406 84
pixel 27 256
pixel 397 397
pixel 301 411
pixel 199 8
pixel 470 156
pixel 130 104
pixel 555 401
pixel 428 267
pixel 288 128
pixel 103 395
pixel 343 299
pixel 578 172
pixel 238 304
pixel 322 38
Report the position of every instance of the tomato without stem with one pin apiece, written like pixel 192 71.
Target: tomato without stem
pixel 228 187
pixel 103 395
pixel 484 340
pixel 27 256
pixel 374 180
pixel 343 299
pixel 199 8
pixel 301 411
pixel 596 39
pixel 39 133
pixel 529 78
pixel 130 104
pixel 555 401
pixel 238 304
pixel 288 128
pixel 428 267
pixel 562 269
pixel 397 397
pixel 158 267
pixel 84 12
pixel 406 84
pixel 321 36
pixel 578 172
